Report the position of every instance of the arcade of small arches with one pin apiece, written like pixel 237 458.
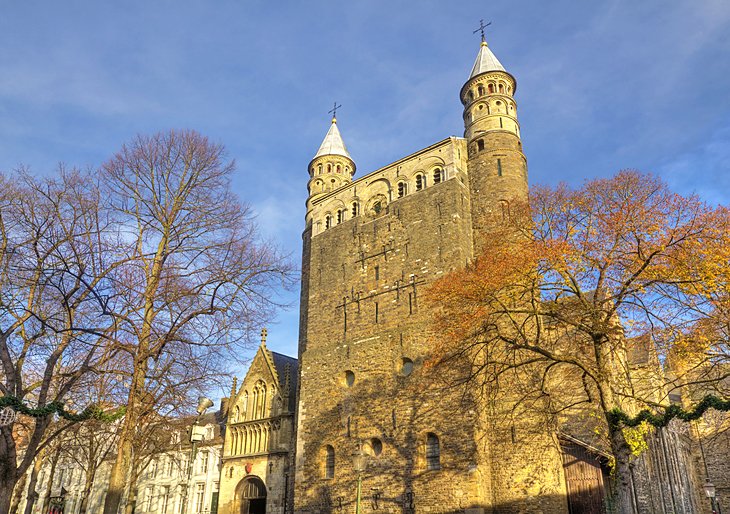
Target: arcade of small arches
pixel 257 405
pixel 420 180
pixel 488 85
pixel 254 438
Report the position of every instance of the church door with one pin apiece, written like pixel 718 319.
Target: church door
pixel 253 496
pixel 584 479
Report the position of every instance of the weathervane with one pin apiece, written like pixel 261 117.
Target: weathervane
pixel 481 28
pixel 333 112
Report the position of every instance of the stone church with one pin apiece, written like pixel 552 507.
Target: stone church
pixel 373 425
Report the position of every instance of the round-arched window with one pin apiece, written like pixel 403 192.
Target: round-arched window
pixel 349 378
pixel 406 367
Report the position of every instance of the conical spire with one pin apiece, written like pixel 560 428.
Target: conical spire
pixel 333 143
pixel 486 61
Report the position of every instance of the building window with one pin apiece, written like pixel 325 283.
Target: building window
pixel 420 182
pixel 329 462
pixel 480 145
pixel 339 169
pixel 438 175
pixel 319 169
pixel 340 216
pixel 402 189
pixel 199 498
pixel 501 88
pixel 491 88
pixel 355 209
pixel 329 168
pixel 349 378
pixel 165 499
pixel 373 447
pixel 433 452
pixel 481 90
pixel 499 167
pixel 406 366
pixel 203 462
pixel 236 414
pixel 327 221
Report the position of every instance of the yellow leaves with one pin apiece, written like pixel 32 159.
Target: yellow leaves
pixel 636 438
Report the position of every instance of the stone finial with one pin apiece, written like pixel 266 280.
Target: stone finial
pixel 234 390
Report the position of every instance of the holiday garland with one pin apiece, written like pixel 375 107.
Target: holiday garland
pixel 617 417
pixel 90 412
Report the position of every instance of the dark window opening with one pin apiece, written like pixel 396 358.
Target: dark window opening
pixel 433 452
pixel 480 145
pixel 329 465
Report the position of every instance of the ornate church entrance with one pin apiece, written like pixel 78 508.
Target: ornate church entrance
pixel 252 493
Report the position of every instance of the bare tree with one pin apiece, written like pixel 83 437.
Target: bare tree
pixel 53 295
pixel 201 279
pixel 574 284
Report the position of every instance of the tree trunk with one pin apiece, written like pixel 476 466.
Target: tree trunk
pixel 49 489
pixel 18 494
pixel 624 489
pixel 120 469
pixel 8 468
pixel 32 493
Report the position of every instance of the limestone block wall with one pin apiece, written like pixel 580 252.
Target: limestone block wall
pixel 363 349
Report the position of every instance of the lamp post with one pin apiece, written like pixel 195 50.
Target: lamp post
pixel 710 492
pixel 196 435
pixel 358 463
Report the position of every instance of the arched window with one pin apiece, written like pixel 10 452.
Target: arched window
pixel 481 90
pixel 491 88
pixel 433 452
pixel 504 204
pixel 329 462
pixel 340 216
pixel 327 221
pixel 501 88
pixel 438 175
pixel 259 400
pixel 480 145
pixel 319 169
pixel 355 209
pixel 245 405
pixel 236 414
pixel 420 182
pixel 402 189
pixel 471 95
pixel 329 168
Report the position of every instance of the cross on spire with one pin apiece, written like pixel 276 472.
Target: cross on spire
pixel 333 112
pixel 481 28
pixel 264 333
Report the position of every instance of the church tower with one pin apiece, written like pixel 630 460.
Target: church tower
pixel 497 166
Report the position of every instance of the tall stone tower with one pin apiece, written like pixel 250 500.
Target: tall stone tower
pixel 497 166
pixel 372 246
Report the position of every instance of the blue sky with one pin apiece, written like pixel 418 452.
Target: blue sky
pixel 602 86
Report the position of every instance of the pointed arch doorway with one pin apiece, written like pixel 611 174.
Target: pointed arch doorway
pixel 252 496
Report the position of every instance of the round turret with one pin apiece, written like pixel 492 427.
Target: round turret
pixel 332 166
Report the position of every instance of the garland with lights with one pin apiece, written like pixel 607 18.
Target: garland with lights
pixel 616 417
pixel 90 412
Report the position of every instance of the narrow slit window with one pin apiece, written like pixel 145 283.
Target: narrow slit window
pixel 354 209
pixel 499 167
pixel 480 145
pixel 339 216
pixel 327 221
pixel 329 463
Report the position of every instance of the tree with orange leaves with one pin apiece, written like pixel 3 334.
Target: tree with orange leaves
pixel 581 278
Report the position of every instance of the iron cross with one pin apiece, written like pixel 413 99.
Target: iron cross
pixel 333 112
pixel 481 28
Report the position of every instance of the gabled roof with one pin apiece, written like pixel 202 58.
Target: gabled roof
pixel 333 143
pixel 486 61
pixel 280 368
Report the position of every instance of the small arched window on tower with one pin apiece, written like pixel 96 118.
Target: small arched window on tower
pixel 480 145
pixel 438 175
pixel 481 90
pixel 329 168
pixel 433 452
pixel 490 87
pixel 420 182
pixel 471 95
pixel 501 88
pixel 339 169
pixel 340 216
pixel 355 209
pixel 504 204
pixel 327 221
pixel 329 462
pixel 319 169
pixel 402 189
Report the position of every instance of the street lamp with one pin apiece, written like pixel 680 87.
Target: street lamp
pixel 359 463
pixel 710 492
pixel 196 436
